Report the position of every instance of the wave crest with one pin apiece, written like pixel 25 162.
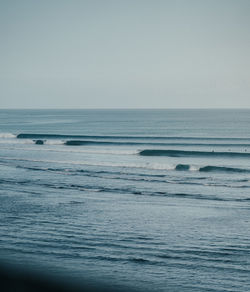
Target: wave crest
pixel 185 153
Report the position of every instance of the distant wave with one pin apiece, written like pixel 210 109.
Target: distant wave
pixel 64 136
pixel 155 166
pixel 130 143
pixel 211 168
pixel 179 167
pixel 183 153
pixel 96 140
pixel 89 142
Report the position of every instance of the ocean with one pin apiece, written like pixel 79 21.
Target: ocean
pixel 156 200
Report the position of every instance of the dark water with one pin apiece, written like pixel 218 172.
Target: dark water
pixel 152 199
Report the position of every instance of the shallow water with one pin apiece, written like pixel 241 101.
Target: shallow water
pixel 175 219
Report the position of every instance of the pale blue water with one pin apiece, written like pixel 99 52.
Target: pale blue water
pixel 172 220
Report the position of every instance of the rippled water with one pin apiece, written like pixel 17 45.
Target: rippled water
pixel 152 199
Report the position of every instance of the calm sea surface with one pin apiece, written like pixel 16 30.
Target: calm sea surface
pixel 152 199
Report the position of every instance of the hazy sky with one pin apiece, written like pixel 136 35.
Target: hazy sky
pixel 124 54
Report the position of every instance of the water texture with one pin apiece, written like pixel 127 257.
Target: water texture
pixel 157 200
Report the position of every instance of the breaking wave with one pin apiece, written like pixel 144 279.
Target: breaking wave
pixel 185 153
pixel 211 168
pixel 113 140
pixel 155 166
pixel 59 136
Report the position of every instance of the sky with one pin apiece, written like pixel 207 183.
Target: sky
pixel 125 54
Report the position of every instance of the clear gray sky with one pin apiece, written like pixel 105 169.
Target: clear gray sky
pixel 124 54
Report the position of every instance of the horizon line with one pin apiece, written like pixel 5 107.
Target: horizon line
pixel 129 108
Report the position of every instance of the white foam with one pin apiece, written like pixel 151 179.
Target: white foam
pixel 16 141
pixel 161 166
pixel 194 168
pixel 90 163
pixel 53 142
pixel 68 150
pixel 7 135
pixel 111 152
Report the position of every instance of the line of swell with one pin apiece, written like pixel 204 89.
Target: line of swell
pixel 184 153
pixel 63 136
pixel 179 167
pixel 121 190
pixel 130 143
pixel 212 168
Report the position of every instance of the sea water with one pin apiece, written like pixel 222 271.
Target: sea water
pixel 157 200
